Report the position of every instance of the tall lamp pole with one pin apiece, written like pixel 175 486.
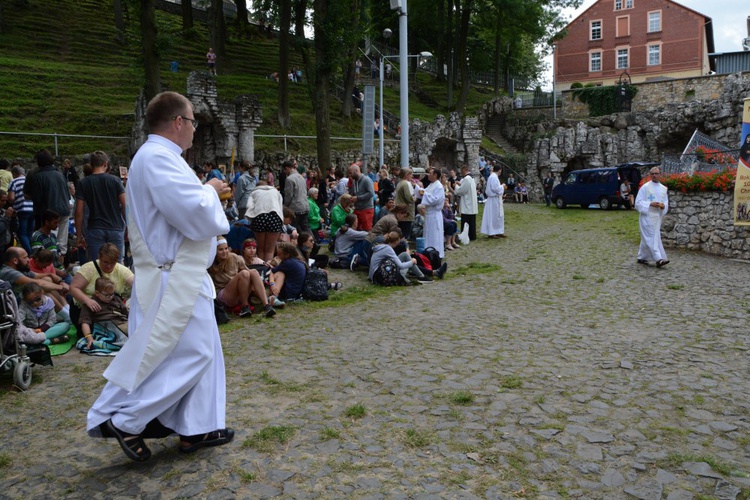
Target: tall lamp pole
pixel 386 34
pixel 554 94
pixel 403 51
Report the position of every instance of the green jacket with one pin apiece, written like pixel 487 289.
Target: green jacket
pixel 313 216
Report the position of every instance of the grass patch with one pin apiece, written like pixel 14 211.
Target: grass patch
pixel 675 287
pixel 510 382
pixel 356 411
pixel 266 439
pixel 414 438
pixel 462 398
pixel 473 268
pixel 327 433
pixel 579 277
pixel 247 477
pixel 5 460
pixel 277 385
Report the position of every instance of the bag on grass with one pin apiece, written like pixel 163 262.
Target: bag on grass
pixel 387 274
pixel 316 285
pixel 434 256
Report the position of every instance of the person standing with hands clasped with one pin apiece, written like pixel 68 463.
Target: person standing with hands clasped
pixel 652 204
pixel 169 377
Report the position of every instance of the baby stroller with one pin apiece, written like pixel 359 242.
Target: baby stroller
pixel 13 356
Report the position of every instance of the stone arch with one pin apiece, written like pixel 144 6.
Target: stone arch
pixel 444 153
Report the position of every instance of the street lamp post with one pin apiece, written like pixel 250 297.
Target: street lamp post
pixel 554 94
pixel 386 34
pixel 403 50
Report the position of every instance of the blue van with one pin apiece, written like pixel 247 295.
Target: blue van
pixel 597 186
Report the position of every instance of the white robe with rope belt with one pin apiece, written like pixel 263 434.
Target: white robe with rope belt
pixel 433 199
pixel 172 367
pixel 649 220
pixel 493 219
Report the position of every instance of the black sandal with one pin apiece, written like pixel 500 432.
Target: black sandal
pixel 215 438
pixel 133 445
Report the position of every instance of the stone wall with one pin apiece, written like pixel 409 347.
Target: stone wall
pixel 704 221
pixel 653 96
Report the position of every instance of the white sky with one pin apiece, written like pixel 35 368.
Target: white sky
pixel 729 18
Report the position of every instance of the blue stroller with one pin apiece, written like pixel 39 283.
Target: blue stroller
pixel 13 356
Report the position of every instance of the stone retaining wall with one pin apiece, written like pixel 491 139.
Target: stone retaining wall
pixel 704 221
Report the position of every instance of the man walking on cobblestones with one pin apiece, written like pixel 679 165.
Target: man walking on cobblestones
pixel 652 204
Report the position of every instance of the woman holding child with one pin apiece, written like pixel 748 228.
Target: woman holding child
pixel 84 282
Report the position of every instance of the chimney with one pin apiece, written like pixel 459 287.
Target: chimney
pixel 746 41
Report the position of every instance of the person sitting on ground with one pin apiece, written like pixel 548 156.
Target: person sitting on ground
pixel 112 313
pixel 450 226
pixel 40 313
pixel 83 286
pixel 339 213
pixel 16 271
pixel 289 233
pixel 383 252
pixel 250 253
pixel 308 249
pixel 234 282
pixel 43 262
pixel 385 225
pixel 523 192
pixel 386 208
pixel 313 216
pixel 288 277
pixel 348 243
pixel 45 238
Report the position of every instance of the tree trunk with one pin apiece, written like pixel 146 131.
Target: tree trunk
pixel 496 62
pixel 449 49
pixel 321 92
pixel 187 14
pixel 346 104
pixel 462 53
pixel 285 8
pixel 119 23
pixel 150 53
pixel 440 34
pixel 348 66
pixel 242 22
pixel 217 30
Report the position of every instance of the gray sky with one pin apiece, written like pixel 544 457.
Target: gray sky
pixel 728 16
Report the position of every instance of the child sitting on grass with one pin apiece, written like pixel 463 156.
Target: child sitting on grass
pixel 43 261
pixel 112 314
pixel 37 312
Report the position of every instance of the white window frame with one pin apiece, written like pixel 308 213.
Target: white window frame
pixel 629 4
pixel 597 53
pixel 649 47
pixel 654 16
pixel 618 4
pixel 600 27
pixel 620 55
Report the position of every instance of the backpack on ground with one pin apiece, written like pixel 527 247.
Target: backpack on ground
pixel 423 261
pixel 434 256
pixel 387 274
pixel 316 285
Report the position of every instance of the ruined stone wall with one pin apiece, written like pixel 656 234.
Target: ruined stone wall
pixel 653 96
pixel 704 221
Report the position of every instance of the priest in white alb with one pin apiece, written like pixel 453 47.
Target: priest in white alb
pixel 169 377
pixel 652 204
pixel 493 219
pixel 433 200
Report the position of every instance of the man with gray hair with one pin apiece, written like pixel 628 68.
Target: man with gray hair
pixel 652 204
pixel 295 196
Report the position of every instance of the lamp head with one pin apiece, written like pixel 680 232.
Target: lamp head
pixel 387 33
pixel 425 54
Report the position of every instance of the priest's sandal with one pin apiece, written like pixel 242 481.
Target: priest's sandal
pixel 215 438
pixel 133 446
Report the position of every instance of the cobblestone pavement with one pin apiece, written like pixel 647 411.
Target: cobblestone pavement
pixel 546 365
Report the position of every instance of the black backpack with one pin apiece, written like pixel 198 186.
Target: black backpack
pixel 316 285
pixel 434 256
pixel 387 274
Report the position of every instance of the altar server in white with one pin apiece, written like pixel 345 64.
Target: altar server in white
pixel 433 200
pixel 652 204
pixel 493 219
pixel 169 376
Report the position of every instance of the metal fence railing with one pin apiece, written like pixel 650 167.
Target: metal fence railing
pixel 57 136
pixel 702 154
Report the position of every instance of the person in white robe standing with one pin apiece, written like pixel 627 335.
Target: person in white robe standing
pixel 433 200
pixel 493 219
pixel 169 377
pixel 652 204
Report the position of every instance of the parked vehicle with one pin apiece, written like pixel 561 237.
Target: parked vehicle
pixel 598 186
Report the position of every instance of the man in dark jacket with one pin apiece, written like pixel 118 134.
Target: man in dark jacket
pixel 47 188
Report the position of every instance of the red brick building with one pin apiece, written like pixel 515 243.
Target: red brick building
pixel 650 39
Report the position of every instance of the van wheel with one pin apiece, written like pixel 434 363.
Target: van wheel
pixel 560 203
pixel 605 204
pixel 584 205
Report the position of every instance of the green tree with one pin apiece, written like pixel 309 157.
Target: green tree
pixel 150 51
pixel 285 8
pixel 187 14
pixel 217 29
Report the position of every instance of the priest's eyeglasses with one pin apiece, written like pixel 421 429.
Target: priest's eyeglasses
pixel 192 121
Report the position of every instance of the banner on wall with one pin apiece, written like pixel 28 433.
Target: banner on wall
pixel 742 184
